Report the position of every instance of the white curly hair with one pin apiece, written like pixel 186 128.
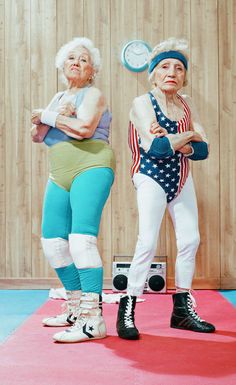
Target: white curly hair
pixel 63 52
pixel 171 44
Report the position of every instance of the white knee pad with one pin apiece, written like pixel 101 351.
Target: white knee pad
pixel 56 250
pixel 83 249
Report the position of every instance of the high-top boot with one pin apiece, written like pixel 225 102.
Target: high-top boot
pixel 89 325
pixel 69 313
pixel 125 320
pixel 185 317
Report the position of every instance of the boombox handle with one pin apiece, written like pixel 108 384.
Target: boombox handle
pixel 157 258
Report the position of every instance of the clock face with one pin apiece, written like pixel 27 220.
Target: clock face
pixel 135 54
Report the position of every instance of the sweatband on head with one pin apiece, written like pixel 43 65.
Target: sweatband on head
pixel 49 117
pixel 167 55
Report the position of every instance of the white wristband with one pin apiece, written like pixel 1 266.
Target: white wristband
pixel 49 117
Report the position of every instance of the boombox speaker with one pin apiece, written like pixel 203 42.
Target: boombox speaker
pixel 155 282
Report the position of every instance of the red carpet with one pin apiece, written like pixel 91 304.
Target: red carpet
pixel 163 356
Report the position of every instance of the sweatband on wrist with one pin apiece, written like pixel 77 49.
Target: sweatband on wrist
pixel 161 148
pixel 49 117
pixel 200 151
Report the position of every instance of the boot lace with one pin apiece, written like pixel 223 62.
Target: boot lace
pixel 191 304
pixel 129 314
pixel 65 308
pixel 72 306
pixel 80 321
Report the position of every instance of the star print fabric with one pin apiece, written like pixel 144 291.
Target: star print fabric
pixel 169 172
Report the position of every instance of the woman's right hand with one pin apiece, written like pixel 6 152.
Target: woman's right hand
pixel 157 130
pixel 38 132
pixel 67 109
pixel 36 116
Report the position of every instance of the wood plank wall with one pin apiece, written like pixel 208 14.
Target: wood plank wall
pixel 31 32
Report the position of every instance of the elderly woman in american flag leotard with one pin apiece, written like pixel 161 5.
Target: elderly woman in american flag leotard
pixel 164 134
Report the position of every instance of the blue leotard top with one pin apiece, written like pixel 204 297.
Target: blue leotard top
pixel 55 135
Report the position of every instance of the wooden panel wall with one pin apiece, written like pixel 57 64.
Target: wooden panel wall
pixel 227 119
pixel 31 32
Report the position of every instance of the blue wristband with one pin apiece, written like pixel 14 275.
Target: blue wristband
pixel 200 151
pixel 161 148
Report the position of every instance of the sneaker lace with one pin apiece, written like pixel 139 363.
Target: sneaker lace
pixel 191 304
pixel 80 321
pixel 70 309
pixel 64 308
pixel 128 318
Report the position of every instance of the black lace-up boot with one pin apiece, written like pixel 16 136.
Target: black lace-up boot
pixel 125 320
pixel 185 317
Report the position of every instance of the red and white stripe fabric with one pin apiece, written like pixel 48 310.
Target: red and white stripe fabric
pixel 183 125
pixel 133 140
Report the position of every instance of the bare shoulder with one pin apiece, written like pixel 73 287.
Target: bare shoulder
pixel 94 91
pixel 58 95
pixel 142 109
pixel 187 99
pixel 192 106
pixel 95 96
pixel 140 99
pixel 141 102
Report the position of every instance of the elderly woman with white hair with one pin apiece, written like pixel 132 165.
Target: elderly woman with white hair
pixel 164 133
pixel 75 127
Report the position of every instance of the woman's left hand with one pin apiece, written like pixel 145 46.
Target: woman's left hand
pixel 67 109
pixel 186 149
pixel 157 130
pixel 36 116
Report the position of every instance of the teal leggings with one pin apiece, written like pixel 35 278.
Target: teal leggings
pixel 79 210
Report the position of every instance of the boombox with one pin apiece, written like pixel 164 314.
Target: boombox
pixel 155 282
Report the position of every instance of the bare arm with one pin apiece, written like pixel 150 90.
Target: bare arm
pixel 88 116
pixel 194 150
pixel 142 116
pixel 179 140
pixel 196 124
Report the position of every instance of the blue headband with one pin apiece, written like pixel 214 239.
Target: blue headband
pixel 167 55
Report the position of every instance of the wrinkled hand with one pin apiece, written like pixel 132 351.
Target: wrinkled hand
pixel 33 130
pixel 36 116
pixel 157 130
pixel 38 132
pixel 186 149
pixel 67 109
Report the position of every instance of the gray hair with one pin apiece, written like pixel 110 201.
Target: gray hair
pixel 63 52
pixel 171 44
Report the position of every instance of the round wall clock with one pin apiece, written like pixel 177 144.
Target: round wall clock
pixel 135 54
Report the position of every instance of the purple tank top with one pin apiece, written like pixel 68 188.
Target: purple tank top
pixel 102 131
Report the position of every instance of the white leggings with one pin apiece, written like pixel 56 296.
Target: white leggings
pixel 152 203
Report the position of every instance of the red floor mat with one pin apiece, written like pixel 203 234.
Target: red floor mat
pixel 163 356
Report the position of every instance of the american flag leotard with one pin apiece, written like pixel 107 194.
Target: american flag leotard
pixel 170 173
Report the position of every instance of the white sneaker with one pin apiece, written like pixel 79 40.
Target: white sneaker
pixel 70 309
pixel 58 320
pixel 85 328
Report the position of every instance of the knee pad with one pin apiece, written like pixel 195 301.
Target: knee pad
pixel 56 250
pixel 84 252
